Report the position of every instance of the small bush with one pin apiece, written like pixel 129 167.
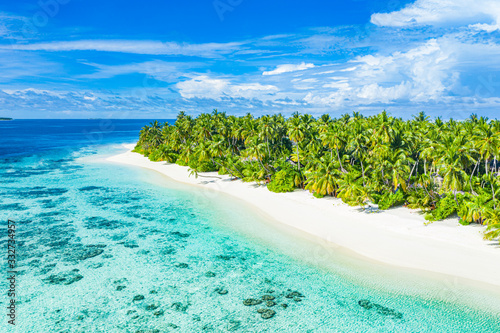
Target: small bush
pixel 463 222
pixel 155 155
pixel 444 208
pixel 201 166
pixel 281 182
pixel 390 199
pixel 180 161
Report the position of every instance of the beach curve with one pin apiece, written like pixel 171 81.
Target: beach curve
pixel 396 237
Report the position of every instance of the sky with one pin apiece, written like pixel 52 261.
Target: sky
pixel 152 59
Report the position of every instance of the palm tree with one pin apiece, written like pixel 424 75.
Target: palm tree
pixel 488 142
pixel 398 168
pixel 266 130
pixel 256 150
pixel 296 132
pixel 351 190
pixel 333 138
pixel 473 210
pixel 453 152
pixel 358 142
pixel 353 157
pixel 322 178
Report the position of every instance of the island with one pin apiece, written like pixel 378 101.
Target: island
pixel 375 185
pixel 5 119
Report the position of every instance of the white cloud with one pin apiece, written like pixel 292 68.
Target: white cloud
pixel 479 14
pixel 338 84
pixel 435 72
pixel 208 50
pixel 349 69
pixel 203 86
pixel 423 74
pixel 286 68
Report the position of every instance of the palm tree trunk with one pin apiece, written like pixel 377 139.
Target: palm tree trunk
pixel 363 171
pixel 486 166
pixel 241 174
pixel 230 171
pixel 426 190
pixel 340 161
pixel 493 191
pixel 472 175
pixel 298 157
pixel 261 164
pixel 409 178
pixel 267 146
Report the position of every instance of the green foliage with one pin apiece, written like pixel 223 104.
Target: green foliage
pixel 388 200
pixel 419 198
pixel 352 191
pixel 281 182
pixel 463 222
pixel 155 156
pixel 492 232
pixel 444 208
pixel 205 166
pixel 229 165
pixel 355 158
pixel 180 161
pixel 138 149
pixel 252 172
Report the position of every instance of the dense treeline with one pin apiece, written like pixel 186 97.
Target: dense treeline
pixel 442 168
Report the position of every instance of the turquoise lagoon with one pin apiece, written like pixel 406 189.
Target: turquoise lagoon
pixel 111 248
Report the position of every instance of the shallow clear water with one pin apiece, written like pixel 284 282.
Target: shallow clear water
pixel 110 248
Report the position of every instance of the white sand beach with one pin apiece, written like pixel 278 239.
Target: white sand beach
pixel 397 237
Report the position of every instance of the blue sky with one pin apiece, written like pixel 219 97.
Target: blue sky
pixel 126 59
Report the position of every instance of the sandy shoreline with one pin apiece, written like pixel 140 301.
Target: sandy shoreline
pixel 396 237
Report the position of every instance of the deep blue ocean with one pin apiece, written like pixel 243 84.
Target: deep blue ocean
pixel 27 136
pixel 102 247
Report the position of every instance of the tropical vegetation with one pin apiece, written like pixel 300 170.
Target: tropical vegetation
pixel 443 168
